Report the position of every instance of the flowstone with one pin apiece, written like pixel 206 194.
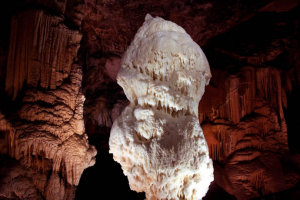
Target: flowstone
pixel 158 139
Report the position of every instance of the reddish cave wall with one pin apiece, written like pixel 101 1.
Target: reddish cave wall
pixel 247 112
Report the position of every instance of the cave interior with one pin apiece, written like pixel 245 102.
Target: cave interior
pixel 59 96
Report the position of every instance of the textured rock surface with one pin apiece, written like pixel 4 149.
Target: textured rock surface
pixel 45 132
pixel 49 136
pixel 73 10
pixel 157 139
pixel 245 122
pixel 254 59
pixel 19 182
pixel 55 127
pixel 246 131
pixel 197 18
pixel 251 45
pixel 41 51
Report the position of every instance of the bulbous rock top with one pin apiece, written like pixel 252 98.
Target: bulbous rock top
pixel 158 139
pixel 164 67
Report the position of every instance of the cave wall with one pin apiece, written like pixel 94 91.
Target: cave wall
pixel 42 115
pixel 58 66
pixel 41 51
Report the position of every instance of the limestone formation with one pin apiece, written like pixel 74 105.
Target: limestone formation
pixel 249 112
pixel 234 99
pixel 47 134
pixel 158 139
pixel 248 130
pixel 41 51
pixel 59 129
pixel 50 136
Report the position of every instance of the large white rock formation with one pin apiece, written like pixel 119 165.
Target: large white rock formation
pixel 158 139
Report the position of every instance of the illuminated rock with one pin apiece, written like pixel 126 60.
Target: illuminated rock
pixel 245 129
pixel 55 129
pixel 42 53
pixel 158 139
pixel 49 138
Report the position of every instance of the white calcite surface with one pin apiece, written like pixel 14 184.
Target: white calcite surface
pixel 158 139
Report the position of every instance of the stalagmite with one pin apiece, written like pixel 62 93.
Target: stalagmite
pixel 50 137
pixel 55 128
pixel 158 139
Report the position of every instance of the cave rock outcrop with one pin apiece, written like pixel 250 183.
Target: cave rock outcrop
pixel 41 51
pixel 49 137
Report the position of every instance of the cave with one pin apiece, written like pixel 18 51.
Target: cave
pixel 59 95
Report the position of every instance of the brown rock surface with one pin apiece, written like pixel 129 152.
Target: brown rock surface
pixel 46 132
pixel 108 28
pixel 49 135
pixel 41 51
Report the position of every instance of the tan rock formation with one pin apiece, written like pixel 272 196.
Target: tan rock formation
pixel 48 133
pixel 49 136
pixel 55 127
pixel 41 51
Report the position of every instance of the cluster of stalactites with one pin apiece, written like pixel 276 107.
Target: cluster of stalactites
pixel 41 51
pixel 236 94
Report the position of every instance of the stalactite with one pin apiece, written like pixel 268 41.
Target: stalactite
pixel 233 105
pixel 242 91
pixel 41 51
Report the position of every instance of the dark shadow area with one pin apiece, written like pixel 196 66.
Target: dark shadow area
pixel 290 194
pixel 216 192
pixel 105 180
pixel 253 40
pixel 293 120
